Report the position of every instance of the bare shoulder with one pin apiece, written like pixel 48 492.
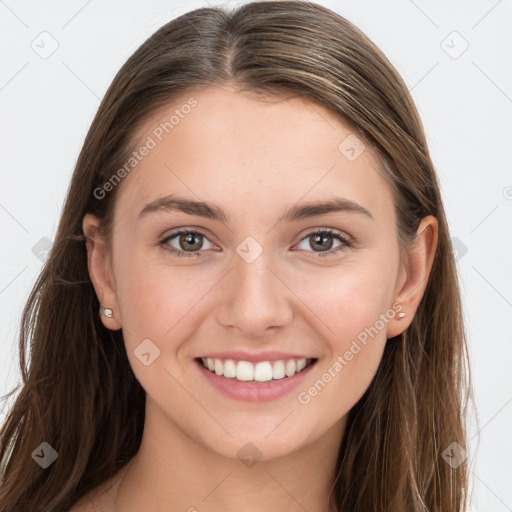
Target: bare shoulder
pixel 101 498
pixel 86 506
pixel 92 502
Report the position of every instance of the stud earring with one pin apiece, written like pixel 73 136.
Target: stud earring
pixel 401 315
pixel 106 312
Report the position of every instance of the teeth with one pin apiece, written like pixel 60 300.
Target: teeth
pixel 244 370
pixel 291 366
pixel 260 372
pixel 278 370
pixel 229 368
pixel 263 371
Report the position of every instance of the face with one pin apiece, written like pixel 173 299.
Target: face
pixel 262 279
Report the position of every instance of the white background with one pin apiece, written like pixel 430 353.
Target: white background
pixel 465 100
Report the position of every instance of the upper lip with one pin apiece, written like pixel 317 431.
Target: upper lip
pixel 255 357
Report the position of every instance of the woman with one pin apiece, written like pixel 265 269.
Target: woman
pixel 256 218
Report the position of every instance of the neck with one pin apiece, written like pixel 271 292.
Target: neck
pixel 171 471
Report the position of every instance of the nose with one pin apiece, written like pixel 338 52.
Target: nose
pixel 256 299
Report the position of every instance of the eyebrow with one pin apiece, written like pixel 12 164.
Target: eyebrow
pixel 211 211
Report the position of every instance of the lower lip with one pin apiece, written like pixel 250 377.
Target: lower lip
pixel 255 391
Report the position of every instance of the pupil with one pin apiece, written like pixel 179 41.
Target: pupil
pixel 323 239
pixel 188 240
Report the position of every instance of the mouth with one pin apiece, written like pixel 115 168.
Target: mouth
pixel 256 373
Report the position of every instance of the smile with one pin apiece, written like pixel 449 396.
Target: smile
pixel 263 371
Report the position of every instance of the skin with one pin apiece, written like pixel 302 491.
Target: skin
pixel 254 159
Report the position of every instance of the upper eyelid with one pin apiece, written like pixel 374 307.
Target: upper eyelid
pixel 332 231
pixel 181 231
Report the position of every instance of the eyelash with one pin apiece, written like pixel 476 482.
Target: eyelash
pixel 346 242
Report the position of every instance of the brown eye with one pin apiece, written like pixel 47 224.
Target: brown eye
pixel 190 241
pixel 323 242
pixel 185 243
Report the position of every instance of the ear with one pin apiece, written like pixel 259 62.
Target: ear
pixel 414 275
pixel 100 271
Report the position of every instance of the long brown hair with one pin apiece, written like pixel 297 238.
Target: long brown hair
pixel 79 393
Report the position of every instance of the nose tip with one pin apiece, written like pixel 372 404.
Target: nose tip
pixel 256 299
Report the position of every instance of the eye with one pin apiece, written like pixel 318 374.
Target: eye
pixel 189 242
pixel 323 240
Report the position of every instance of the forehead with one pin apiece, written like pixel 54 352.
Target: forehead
pixel 221 144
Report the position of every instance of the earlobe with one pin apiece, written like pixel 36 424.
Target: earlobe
pixel 100 272
pixel 419 261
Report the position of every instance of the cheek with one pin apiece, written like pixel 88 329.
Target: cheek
pixel 159 301
pixel 355 349
pixel 355 307
pixel 349 299
pixel 159 311
pixel 340 383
